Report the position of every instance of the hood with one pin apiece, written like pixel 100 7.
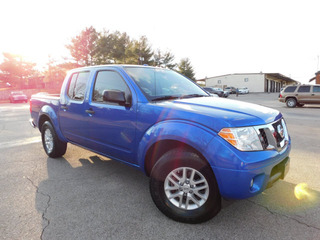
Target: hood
pixel 217 113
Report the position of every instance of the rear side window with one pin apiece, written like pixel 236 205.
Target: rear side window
pixel 290 89
pixel 316 88
pixel 77 86
pixel 304 89
pixel 108 80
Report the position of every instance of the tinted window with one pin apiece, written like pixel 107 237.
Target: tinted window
pixel 316 88
pixel 290 89
pixel 304 89
pixel 77 86
pixel 108 80
pixel 72 84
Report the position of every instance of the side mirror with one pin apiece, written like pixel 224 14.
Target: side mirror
pixel 117 96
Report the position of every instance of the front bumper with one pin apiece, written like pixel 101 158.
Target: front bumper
pixel 235 184
pixel 245 174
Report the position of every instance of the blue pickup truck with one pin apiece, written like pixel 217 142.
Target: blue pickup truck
pixel 196 149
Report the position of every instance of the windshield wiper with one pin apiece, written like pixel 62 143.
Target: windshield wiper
pixel 168 97
pixel 193 95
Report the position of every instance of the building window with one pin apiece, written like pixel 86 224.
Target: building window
pixel 246 79
pixel 219 81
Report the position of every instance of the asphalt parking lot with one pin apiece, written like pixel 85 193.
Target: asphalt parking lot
pixel 86 196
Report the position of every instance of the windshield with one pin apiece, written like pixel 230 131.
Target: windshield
pixel 163 84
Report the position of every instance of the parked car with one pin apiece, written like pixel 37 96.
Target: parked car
pixel 298 95
pixel 243 90
pixel 195 150
pixel 225 93
pixel 231 90
pixel 213 95
pixel 212 90
pixel 18 96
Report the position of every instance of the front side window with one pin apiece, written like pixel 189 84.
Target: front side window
pixel 108 80
pixel 316 88
pixel 304 89
pixel 290 89
pixel 78 84
pixel 162 84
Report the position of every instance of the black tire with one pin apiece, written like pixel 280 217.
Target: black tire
pixel 178 159
pixel 291 102
pixel 52 145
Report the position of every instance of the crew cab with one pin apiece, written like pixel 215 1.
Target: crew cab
pixel 196 149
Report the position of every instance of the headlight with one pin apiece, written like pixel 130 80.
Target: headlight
pixel 244 139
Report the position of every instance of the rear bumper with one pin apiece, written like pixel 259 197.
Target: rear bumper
pixel 32 123
pixel 281 100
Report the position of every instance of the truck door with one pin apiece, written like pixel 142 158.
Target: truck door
pixel 304 94
pixel 111 127
pixel 72 108
pixel 316 94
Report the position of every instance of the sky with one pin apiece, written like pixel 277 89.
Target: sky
pixel 219 37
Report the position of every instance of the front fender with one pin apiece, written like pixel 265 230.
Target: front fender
pixel 51 114
pixel 192 134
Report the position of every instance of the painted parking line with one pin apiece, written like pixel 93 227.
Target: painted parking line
pixel 21 142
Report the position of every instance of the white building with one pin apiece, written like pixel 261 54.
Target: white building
pixel 256 82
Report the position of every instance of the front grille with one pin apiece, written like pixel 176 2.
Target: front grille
pixel 263 139
pixel 273 135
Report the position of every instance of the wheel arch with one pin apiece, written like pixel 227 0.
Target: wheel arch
pixel 161 147
pixel 47 113
pixel 171 134
pixel 43 118
pixel 291 97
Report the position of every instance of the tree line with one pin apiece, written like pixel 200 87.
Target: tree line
pixel 91 47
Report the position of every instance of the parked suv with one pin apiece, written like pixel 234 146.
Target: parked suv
pixel 299 95
pixel 231 90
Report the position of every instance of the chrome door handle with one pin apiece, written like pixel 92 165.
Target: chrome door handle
pixel 90 111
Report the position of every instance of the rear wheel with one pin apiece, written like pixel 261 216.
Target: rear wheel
pixel 291 102
pixel 52 145
pixel 184 188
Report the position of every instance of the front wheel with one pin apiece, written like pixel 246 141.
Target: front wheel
pixel 184 188
pixel 291 102
pixel 52 145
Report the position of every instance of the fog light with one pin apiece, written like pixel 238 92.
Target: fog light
pixel 251 184
pixel 257 182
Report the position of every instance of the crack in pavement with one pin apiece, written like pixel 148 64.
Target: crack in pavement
pixel 276 213
pixel 46 208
